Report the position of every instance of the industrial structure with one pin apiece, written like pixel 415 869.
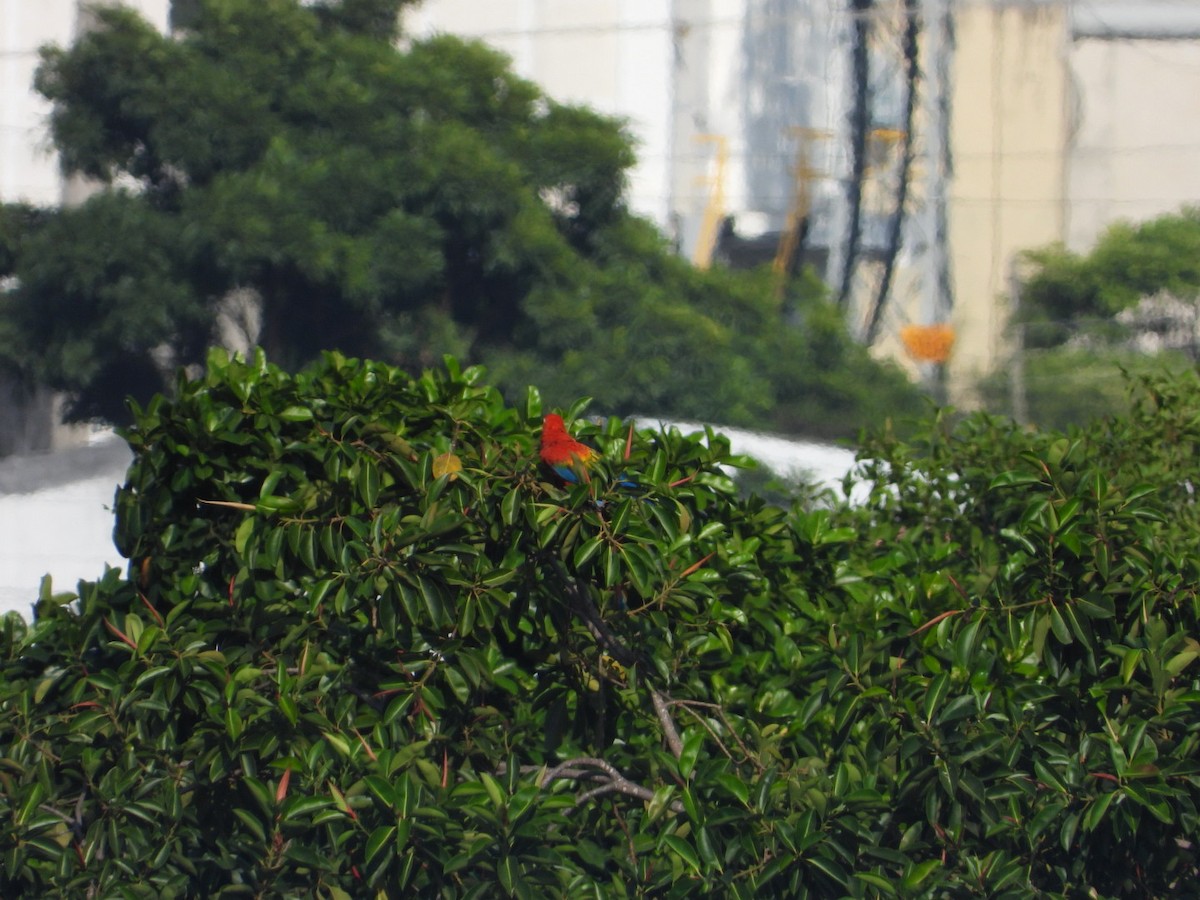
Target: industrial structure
pixel 909 149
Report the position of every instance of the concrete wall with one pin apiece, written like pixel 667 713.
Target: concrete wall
pixel 1136 132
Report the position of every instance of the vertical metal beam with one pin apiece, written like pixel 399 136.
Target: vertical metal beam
pixel 939 166
pixel 912 75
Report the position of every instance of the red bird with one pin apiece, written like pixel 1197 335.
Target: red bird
pixel 561 452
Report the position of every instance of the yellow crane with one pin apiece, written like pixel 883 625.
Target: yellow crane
pixel 714 210
pixel 803 174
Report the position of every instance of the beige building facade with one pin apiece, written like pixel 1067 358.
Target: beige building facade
pixel 1134 146
pixel 1009 148
pixel 1066 119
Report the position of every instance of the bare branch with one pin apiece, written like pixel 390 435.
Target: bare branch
pixel 660 702
pixel 600 791
pixel 577 768
pixel 591 768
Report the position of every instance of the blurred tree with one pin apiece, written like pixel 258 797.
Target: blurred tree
pixel 1068 291
pixel 396 203
pixel 1126 307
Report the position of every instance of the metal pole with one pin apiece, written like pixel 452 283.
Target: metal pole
pixel 1016 374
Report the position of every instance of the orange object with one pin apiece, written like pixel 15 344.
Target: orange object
pixel 928 343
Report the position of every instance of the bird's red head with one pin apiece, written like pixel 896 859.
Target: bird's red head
pixel 553 426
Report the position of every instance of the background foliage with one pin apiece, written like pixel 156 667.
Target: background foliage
pixel 1088 320
pixel 394 203
pixel 1069 290
pixel 1078 386
pixel 365 645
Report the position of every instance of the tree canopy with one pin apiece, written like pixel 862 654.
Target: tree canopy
pixel 366 645
pixel 391 201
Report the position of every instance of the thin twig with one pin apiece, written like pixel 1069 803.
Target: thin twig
pixel 707 727
pixel 628 837
pixel 720 713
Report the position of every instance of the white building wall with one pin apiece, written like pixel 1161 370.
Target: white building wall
pixel 28 166
pixel 644 95
pixel 612 55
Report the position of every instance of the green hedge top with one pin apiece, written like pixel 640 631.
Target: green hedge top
pixel 367 645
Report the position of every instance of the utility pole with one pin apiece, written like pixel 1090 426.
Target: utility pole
pixel 1016 370
pixel 860 116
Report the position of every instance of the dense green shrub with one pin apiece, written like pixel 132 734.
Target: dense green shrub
pixel 367 646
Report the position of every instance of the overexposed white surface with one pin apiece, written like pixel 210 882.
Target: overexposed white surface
pixel 821 464
pixel 65 529
pixel 65 532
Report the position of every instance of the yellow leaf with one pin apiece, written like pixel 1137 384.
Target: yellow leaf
pixel 447 464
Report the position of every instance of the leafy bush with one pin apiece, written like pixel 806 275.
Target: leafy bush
pixel 366 646
pixel 1085 319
